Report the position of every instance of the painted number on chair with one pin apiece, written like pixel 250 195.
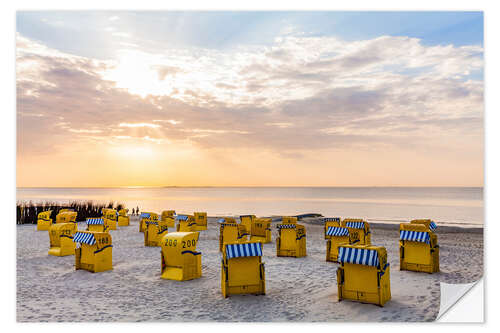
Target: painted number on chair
pixel 189 243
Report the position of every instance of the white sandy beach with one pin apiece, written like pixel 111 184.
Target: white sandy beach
pixel 297 289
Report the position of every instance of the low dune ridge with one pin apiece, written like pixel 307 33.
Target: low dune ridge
pixel 297 289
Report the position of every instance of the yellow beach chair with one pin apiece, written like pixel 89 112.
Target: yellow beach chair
pixel 96 224
pixel 201 221
pixel 44 221
pixel 261 230
pixel 110 217
pixel 61 239
pixel 336 236
pixel 231 232
pixel 430 224
pixel 66 216
pixel 145 216
pixel 154 232
pixel 418 248
pixel 185 223
pixel 168 217
pixel 247 221
pixel 359 229
pixel 364 274
pixel 330 222
pixel 179 259
pixel 291 241
pixel 95 253
pixel 242 270
pixel 123 218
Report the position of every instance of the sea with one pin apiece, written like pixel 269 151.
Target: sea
pixel 454 206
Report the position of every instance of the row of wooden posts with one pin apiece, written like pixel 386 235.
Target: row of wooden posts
pixel 363 274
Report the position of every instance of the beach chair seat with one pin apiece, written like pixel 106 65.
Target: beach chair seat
pixel 179 259
pixel 291 241
pixel 66 216
pixel 358 228
pixel 231 232
pixel 185 223
pixel 168 217
pixel 330 222
pixel 247 221
pixel 44 221
pixel 145 216
pixel 154 232
pixel 95 253
pixel 201 221
pixel 110 217
pixel 242 269
pixel 430 224
pixel 364 274
pixel 260 230
pixel 96 224
pixel 336 236
pixel 61 239
pixel 123 218
pixel 418 248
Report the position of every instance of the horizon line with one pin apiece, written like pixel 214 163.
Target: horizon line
pixel 284 186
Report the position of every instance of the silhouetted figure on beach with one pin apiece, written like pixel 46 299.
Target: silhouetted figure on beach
pixel 133 211
pixel 137 210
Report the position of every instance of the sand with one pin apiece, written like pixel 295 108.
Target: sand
pixel 297 289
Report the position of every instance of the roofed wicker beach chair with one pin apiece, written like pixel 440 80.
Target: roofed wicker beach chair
pixel 123 218
pixel 95 253
pixel 201 220
pixel 291 241
pixel 247 221
pixel 231 232
pixel 185 223
pixel 96 224
pixel 242 269
pixel 61 239
pixel 44 221
pixel 337 236
pixel 110 217
pixel 66 216
pixel 430 224
pixel 418 248
pixel 359 229
pixel 144 217
pixel 154 232
pixel 168 216
pixel 364 274
pixel 179 259
pixel 261 230
pixel 330 222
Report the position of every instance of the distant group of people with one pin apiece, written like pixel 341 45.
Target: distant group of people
pixel 135 211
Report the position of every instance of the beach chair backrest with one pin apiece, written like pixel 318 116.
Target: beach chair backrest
pixel 260 226
pixel 200 218
pixel 123 212
pixel 176 245
pixel 289 220
pixel 59 230
pixel 167 213
pixel 247 221
pixel 431 225
pixel 243 263
pixel 110 214
pixel 45 215
pixel 66 217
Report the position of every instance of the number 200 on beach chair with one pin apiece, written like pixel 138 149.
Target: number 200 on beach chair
pixel 61 239
pixel 95 253
pixel 364 274
pixel 242 270
pixel 291 241
pixel 44 221
pixel 418 248
pixel 179 259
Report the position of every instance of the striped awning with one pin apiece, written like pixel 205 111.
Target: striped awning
pixel 358 256
pixel 337 231
pixel 243 250
pixel 95 221
pixel 355 225
pixel 151 222
pixel 432 226
pixel 286 226
pixel 331 219
pixel 84 237
pixel 145 215
pixel 414 236
pixel 181 217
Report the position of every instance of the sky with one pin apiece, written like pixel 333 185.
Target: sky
pixel 113 98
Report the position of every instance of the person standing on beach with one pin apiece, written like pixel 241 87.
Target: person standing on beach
pixel 133 211
pixel 137 210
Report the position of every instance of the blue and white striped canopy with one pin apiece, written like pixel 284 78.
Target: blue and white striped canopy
pixel 151 222
pixel 181 217
pixel 331 219
pixel 243 250
pixel 84 237
pixel 337 231
pixel 432 226
pixel 286 226
pixel 145 215
pixel 358 256
pixel 95 221
pixel 355 225
pixel 414 236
